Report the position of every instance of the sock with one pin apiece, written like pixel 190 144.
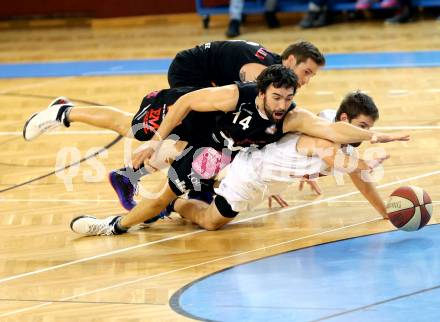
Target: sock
pixel 117 226
pixel 170 207
pixel 66 120
pixel 62 115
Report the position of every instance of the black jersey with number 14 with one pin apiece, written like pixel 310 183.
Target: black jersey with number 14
pixel 246 126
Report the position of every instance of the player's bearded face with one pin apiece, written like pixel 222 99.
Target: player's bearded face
pixel 276 103
pixel 275 114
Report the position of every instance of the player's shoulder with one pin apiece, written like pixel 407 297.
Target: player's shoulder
pixel 247 88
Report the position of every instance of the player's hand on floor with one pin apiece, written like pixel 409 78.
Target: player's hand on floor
pixel 278 199
pixel 314 186
pixel 385 138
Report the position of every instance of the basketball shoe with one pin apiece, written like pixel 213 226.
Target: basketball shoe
pixel 125 187
pixel 54 116
pixel 92 226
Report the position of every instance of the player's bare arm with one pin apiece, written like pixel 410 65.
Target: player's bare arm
pixel 301 120
pixel 211 99
pixel 369 191
pixel 327 150
pixel 333 156
pixel 250 72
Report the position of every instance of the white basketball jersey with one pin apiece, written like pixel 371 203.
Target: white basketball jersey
pixel 328 114
pixel 281 161
pixel 254 175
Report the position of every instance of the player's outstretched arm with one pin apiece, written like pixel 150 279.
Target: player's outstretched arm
pixel 211 99
pixel 306 122
pixel 370 193
pixel 331 154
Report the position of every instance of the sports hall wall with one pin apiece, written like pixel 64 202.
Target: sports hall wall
pixel 94 8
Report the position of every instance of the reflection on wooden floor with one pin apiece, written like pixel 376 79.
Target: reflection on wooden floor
pixel 50 274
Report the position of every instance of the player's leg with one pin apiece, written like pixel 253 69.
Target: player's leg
pixel 180 179
pixel 61 112
pixel 115 225
pixel 209 216
pixel 106 117
pixel 125 180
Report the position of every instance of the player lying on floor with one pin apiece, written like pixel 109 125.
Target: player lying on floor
pixel 295 155
pixel 255 175
pixel 230 118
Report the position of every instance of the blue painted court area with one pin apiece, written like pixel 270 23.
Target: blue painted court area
pixel 160 66
pixel 384 277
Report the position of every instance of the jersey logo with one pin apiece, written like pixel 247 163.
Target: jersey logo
pixel 261 54
pixel 152 120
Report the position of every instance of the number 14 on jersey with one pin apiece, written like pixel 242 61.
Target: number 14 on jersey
pixel 244 122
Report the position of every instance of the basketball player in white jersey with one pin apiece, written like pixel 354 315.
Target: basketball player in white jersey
pixel 255 175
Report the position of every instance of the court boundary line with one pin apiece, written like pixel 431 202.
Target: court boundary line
pixel 361 308
pixel 196 232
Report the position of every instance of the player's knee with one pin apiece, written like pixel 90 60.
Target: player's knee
pixel 212 226
pixel 141 134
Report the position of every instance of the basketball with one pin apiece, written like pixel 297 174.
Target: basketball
pixel 409 208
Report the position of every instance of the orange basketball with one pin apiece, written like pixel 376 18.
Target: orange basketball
pixel 409 208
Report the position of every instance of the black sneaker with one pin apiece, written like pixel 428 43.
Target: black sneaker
pixel 309 19
pixel 233 28
pixel 271 19
pixel 403 16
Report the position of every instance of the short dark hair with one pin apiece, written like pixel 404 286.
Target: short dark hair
pixel 303 50
pixel 357 103
pixel 278 76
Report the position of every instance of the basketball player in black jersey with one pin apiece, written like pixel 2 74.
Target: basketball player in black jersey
pixel 221 63
pixel 241 115
pixel 217 63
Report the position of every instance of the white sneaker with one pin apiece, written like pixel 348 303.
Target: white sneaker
pixel 92 226
pixel 51 118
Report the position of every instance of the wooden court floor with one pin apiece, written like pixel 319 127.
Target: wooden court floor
pixel 47 273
